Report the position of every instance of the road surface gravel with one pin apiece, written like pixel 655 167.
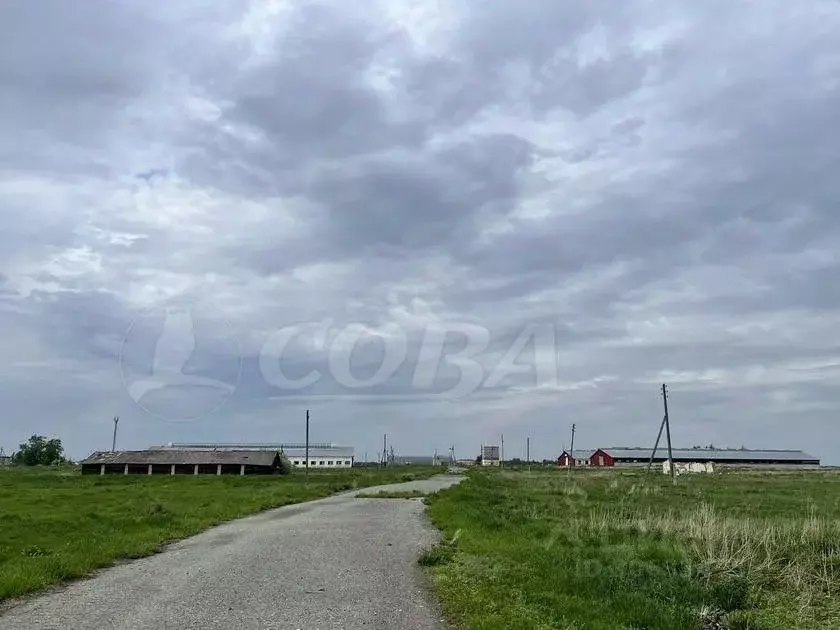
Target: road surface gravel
pixel 340 562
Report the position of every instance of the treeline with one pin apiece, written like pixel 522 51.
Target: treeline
pixel 39 451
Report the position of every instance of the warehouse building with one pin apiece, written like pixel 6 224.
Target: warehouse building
pixel 321 455
pixel 172 461
pixel 742 457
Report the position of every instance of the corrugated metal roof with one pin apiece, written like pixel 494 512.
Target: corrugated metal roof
pixel 190 457
pixel 705 454
pixel 241 446
pixel 290 450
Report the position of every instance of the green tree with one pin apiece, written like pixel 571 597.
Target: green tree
pixel 285 465
pixel 39 451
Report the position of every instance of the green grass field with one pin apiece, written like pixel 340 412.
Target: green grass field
pixel 59 525
pixel 612 550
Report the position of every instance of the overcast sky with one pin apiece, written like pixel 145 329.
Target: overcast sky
pixel 614 194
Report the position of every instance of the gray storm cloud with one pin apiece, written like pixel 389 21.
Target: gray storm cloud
pixel 656 181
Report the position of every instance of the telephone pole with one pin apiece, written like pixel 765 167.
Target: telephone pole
pixel 668 433
pixel 307 443
pixel 572 449
pixel 114 441
pixel 502 453
pixel 384 450
pixel 656 444
pixel 528 452
pixel 573 440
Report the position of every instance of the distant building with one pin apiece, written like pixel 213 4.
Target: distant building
pixel 624 456
pixel 602 457
pixel 489 455
pixel 182 462
pixel 682 468
pixel 578 458
pixel 321 455
pixel 419 460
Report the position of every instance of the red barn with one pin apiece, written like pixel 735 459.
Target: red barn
pixel 565 460
pixel 578 458
pixel 601 458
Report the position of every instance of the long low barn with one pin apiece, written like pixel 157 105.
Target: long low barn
pixel 321 455
pixel 623 456
pixel 183 462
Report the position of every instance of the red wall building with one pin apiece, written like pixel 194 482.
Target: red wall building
pixel 601 458
pixel 565 460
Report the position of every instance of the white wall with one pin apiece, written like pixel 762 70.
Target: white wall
pixel 322 462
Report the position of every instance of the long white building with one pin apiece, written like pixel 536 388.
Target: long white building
pixel 321 455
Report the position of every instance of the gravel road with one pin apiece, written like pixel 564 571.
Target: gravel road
pixel 340 562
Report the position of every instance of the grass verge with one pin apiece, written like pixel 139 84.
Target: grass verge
pixel 55 525
pixel 623 550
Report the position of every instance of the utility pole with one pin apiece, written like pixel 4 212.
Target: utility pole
pixel 384 450
pixel 572 449
pixel 656 445
pixel 668 433
pixel 502 453
pixel 528 452
pixel 114 441
pixel 307 444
